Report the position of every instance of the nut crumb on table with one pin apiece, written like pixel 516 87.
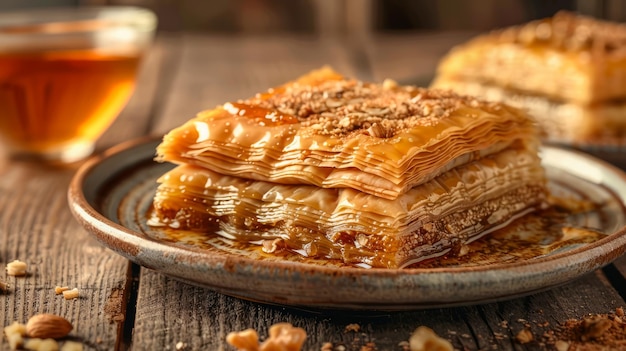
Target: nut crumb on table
pixel 282 337
pixel 70 294
pixel 17 268
pixel 15 333
pixel 60 289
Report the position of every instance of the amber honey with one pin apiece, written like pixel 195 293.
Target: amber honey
pixel 50 101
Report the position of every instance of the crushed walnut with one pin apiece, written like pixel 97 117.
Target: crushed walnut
pixel 37 344
pixel 60 289
pixel 70 294
pixel 344 107
pixel 4 287
pixel 282 337
pixel 572 32
pixel 17 268
pixel 524 336
pixel 15 333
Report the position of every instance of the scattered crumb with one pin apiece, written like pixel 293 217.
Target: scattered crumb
pixel 72 346
pixel 17 268
pixel 370 346
pixel 524 336
pixel 352 328
pixel 282 337
pixel 15 333
pixel 60 289
pixel 4 287
pixel 37 344
pixel 70 294
pixel 180 346
pixel 404 345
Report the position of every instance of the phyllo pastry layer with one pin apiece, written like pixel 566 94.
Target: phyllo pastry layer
pixel 427 221
pixel 332 132
pixel 379 175
pixel 565 65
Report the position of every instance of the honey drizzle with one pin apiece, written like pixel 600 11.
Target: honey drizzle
pixel 535 235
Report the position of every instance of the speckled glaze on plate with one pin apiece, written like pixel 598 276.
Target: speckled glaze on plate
pixel 111 194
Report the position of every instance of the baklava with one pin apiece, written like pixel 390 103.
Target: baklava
pixel 376 175
pixel 568 71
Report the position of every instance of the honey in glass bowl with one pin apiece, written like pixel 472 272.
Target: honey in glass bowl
pixel 65 75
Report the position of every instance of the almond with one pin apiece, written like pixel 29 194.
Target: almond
pixel 48 326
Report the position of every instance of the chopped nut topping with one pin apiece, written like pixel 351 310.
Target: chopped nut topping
pixel 16 268
pixel 339 108
pixel 572 32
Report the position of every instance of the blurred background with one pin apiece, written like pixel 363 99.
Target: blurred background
pixel 337 17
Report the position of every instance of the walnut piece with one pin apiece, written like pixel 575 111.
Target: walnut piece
pixel 70 294
pixel 245 340
pixel 524 336
pixel 425 339
pixel 282 337
pixel 15 333
pixel 60 289
pixel 72 346
pixel 17 268
pixel 37 344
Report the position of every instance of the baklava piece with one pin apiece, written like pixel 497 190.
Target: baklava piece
pixel 567 71
pixel 376 175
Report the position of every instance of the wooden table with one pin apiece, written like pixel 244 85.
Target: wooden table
pixel 126 307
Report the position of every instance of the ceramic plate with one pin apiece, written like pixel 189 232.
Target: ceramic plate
pixel 111 196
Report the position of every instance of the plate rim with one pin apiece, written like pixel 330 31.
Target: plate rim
pixel 129 243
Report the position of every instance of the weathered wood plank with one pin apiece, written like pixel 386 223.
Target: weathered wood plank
pixel 218 69
pixel 410 58
pixel 171 312
pixel 37 227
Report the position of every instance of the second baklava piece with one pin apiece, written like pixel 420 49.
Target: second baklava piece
pixel 568 71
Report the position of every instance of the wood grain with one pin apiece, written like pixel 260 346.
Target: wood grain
pixel 171 312
pixel 38 228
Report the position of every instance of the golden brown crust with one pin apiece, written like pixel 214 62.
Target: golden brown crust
pixel 567 57
pixel 382 139
pixel 343 107
pixel 569 31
